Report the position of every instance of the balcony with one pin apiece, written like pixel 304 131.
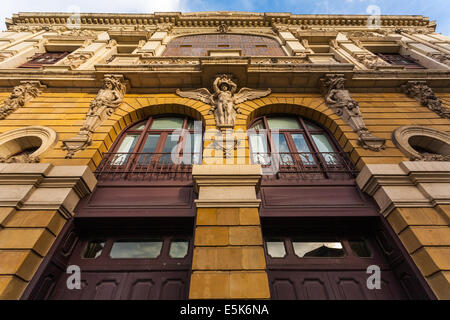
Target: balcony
pixel 305 166
pixel 145 167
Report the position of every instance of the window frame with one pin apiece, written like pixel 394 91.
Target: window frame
pixel 319 160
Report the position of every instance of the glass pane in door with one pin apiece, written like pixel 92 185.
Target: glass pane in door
pixel 170 146
pixel 303 149
pixel 148 149
pixel 325 148
pixel 282 149
pixel 126 147
pixel 258 143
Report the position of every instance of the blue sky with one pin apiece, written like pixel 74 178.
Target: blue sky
pixel 438 10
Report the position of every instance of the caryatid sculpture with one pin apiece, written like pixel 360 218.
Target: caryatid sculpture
pixel 224 99
pixel 108 99
pixel 341 102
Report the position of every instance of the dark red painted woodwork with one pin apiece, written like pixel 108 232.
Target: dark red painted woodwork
pixel 344 277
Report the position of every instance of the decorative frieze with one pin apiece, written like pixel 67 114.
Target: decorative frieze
pixel 109 97
pixel 224 99
pixel 340 101
pixel 420 91
pixel 20 95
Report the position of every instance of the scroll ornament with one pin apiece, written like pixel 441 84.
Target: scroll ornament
pixel 109 97
pixel 224 99
pixel 420 91
pixel 20 95
pixel 340 101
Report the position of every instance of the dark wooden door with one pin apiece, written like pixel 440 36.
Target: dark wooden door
pixel 129 268
pixel 328 266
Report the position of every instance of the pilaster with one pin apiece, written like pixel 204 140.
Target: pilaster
pixel 228 259
pixel 414 196
pixel 36 200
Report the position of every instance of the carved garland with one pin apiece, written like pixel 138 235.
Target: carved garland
pixel 420 91
pixel 340 101
pixel 108 99
pixel 20 95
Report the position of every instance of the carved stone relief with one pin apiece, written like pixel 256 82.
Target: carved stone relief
pixel 420 91
pixel 109 97
pixel 224 99
pixel 340 101
pixel 20 95
pixel 76 59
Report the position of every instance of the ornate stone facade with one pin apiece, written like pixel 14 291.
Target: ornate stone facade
pixel 115 77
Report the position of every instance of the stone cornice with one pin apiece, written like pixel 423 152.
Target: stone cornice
pixel 202 19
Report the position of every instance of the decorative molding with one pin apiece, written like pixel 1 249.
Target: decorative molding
pixel 433 139
pixel 109 97
pixel 224 99
pixel 205 19
pixel 441 57
pixel 6 55
pixel 223 28
pixel 340 101
pixel 20 95
pixel 420 91
pixel 371 61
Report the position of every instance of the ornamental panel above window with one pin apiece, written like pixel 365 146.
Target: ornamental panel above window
pixel 221 44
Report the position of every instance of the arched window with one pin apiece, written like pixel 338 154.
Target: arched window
pixel 156 146
pixel 296 145
pixel 223 44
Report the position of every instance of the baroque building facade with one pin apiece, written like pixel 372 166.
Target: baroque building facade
pixel 224 155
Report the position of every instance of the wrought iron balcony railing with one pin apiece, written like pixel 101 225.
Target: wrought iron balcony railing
pixel 276 166
pixel 146 166
pixel 305 165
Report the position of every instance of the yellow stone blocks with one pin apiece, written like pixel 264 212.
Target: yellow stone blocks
pixel 229 285
pixel 228 260
pixel 11 287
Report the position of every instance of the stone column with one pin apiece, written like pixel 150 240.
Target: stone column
pixel 415 199
pixel 36 200
pixel 228 260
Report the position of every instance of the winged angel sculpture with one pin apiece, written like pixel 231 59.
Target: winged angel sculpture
pixel 224 99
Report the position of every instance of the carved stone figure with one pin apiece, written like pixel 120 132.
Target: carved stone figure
pixel 224 99
pixel 109 97
pixel 341 102
pixel 19 96
pixel 420 91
